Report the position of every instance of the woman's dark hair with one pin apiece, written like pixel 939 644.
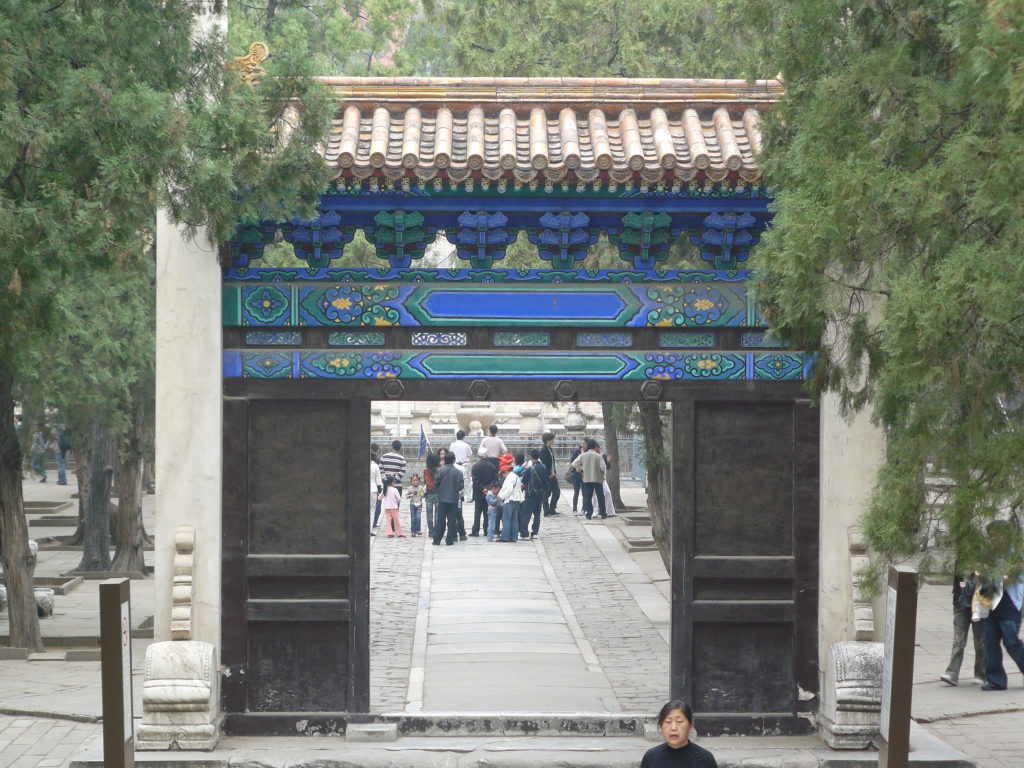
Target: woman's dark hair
pixel 432 461
pixel 671 706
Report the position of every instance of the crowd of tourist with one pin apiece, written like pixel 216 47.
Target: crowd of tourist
pixel 510 493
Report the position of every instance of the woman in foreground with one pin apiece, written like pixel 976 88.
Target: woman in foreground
pixel 675 721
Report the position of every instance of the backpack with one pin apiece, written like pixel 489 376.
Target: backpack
pixel 536 483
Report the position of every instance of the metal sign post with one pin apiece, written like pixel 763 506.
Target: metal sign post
pixel 116 658
pixel 898 671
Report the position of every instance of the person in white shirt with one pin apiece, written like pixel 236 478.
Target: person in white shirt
pixel 492 446
pixel 512 497
pixel 463 452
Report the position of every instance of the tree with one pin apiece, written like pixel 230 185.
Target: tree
pixel 598 38
pixel 111 110
pixel 894 253
pixel 659 479
pixel 611 447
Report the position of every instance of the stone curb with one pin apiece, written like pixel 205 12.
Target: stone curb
pixel 17 712
pixel 926 719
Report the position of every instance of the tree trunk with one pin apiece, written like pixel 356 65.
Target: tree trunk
pixel 129 557
pixel 659 480
pixel 611 447
pixel 96 544
pixel 83 465
pixel 15 555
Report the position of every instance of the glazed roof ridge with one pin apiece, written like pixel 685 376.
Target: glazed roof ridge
pixel 548 129
pixel 556 90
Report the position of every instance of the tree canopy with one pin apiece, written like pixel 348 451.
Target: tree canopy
pixel 111 110
pixel 894 253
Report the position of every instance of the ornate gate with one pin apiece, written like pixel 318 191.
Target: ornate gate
pixel 307 348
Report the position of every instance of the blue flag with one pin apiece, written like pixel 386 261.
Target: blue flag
pixel 424 445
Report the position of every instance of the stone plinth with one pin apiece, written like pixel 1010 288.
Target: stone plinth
pixel 850 716
pixel 179 697
pixel 529 422
pixel 420 418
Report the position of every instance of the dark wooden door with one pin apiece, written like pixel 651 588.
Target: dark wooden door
pixel 745 563
pixel 295 632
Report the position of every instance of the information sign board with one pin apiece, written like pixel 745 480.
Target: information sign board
pixel 898 667
pixel 116 659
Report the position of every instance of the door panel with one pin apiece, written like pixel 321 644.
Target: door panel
pixel 295 588
pixel 745 528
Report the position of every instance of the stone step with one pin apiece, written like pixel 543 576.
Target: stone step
pixel 635 518
pixel 638 538
pixel 410 724
pixel 46 507
pixel 53 521
pixel 61 585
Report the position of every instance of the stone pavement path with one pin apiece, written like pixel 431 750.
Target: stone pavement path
pixel 542 625
pixel 502 635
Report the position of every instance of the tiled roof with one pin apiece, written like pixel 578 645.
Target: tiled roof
pixel 548 129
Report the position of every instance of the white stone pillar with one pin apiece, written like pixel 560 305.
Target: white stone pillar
pixel 188 422
pixel 851 452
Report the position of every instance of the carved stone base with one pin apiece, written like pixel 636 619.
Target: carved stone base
pixel 850 716
pixel 44 602
pixel 180 697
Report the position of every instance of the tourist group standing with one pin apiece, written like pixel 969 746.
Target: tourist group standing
pixel 510 493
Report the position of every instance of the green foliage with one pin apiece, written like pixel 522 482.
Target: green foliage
pixel 894 253
pixel 333 37
pixel 599 38
pixel 104 355
pixel 113 109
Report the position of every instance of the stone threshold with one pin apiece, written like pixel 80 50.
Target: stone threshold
pixel 807 751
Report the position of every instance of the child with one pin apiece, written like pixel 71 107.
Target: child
pixel 493 509
pixel 392 501
pixel 415 495
pixel 505 464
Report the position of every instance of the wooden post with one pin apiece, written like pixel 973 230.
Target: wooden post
pixel 898 670
pixel 116 658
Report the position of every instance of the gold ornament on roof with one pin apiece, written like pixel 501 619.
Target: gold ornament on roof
pixel 249 65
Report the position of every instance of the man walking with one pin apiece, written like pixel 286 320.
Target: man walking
pixel 547 458
pixel 449 483
pixel 591 464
